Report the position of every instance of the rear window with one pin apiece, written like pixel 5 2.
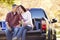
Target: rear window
pixel 37 13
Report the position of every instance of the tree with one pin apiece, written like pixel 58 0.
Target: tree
pixel 9 2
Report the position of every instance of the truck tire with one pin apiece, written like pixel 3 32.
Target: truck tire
pixel 54 35
pixel 50 34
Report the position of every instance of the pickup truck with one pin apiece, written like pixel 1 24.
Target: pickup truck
pixel 43 27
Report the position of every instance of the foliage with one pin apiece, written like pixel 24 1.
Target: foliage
pixel 9 2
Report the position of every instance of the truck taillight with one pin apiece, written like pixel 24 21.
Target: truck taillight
pixel 43 25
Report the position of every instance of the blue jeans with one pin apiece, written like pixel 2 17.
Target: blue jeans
pixel 22 32
pixel 11 34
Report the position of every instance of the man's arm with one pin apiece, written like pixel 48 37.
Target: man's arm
pixel 7 20
pixel 8 27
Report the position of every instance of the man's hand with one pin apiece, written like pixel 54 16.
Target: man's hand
pixel 8 27
pixel 18 26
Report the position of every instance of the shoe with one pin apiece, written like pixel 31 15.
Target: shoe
pixel 20 39
pixel 15 38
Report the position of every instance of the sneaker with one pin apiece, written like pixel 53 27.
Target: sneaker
pixel 20 39
pixel 15 38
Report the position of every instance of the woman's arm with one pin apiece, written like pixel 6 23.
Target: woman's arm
pixel 29 19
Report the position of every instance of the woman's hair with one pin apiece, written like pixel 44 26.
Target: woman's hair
pixel 22 8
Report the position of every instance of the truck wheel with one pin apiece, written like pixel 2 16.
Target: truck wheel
pixel 54 35
pixel 49 34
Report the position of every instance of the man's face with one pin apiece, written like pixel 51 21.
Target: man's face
pixel 14 8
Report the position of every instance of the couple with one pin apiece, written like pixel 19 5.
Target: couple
pixel 19 15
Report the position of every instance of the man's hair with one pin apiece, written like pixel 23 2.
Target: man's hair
pixel 14 5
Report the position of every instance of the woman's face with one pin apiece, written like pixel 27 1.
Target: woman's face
pixel 21 10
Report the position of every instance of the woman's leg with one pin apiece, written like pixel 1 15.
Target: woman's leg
pixel 24 34
pixel 8 35
pixel 25 31
pixel 19 34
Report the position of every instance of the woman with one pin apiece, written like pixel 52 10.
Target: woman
pixel 26 22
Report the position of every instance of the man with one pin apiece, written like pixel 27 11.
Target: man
pixel 13 23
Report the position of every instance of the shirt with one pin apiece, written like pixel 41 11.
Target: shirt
pixel 27 18
pixel 13 19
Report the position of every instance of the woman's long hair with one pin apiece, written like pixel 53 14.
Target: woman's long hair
pixel 23 8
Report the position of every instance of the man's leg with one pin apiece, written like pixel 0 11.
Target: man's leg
pixel 8 35
pixel 15 31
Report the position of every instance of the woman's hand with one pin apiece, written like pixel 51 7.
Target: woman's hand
pixel 24 24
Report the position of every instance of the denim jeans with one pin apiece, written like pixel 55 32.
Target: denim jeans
pixel 22 32
pixel 11 34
